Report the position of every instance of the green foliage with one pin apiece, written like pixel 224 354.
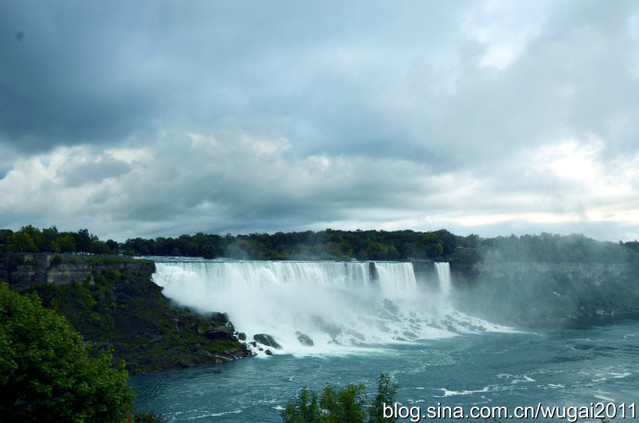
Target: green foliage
pixel 304 408
pixel 324 245
pixel 113 246
pixel 127 311
pixel 4 234
pixel 147 416
pixel 347 405
pixel 23 240
pixel 386 392
pixel 47 373
pixel 351 403
pixel 67 244
pixel 466 256
pixel 83 240
pixel 49 240
pixel 334 245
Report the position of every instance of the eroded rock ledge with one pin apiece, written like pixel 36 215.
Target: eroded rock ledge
pixel 114 304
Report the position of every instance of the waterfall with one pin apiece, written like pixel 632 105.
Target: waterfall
pixel 337 306
pixel 443 275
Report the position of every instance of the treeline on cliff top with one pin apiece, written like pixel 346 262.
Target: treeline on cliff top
pixel 331 244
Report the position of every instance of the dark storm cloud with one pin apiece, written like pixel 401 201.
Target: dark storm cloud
pixel 91 72
pixel 173 117
pixel 71 79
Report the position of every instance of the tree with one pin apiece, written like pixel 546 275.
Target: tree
pixel 46 373
pixel 352 401
pixel 346 405
pixel 386 391
pixel 50 239
pixel 99 247
pixel 83 240
pixel 303 408
pixel 67 244
pixel 113 246
pixel 22 241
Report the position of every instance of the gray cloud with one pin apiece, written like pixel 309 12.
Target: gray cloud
pixel 92 171
pixel 167 117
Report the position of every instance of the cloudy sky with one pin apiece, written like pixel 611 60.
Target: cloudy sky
pixel 137 118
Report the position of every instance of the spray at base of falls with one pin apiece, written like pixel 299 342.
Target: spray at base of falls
pixel 319 307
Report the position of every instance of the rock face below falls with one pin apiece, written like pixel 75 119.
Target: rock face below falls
pixel 113 303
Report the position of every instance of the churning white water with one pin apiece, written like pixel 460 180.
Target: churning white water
pixel 339 306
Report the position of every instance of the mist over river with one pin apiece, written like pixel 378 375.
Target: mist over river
pixel 370 318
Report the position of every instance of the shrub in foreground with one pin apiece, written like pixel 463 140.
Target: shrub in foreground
pixel 46 372
pixel 347 405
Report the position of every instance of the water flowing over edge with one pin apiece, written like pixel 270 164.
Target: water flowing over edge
pixel 320 307
pixel 443 274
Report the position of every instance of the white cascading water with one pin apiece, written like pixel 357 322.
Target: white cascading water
pixel 443 275
pixel 340 306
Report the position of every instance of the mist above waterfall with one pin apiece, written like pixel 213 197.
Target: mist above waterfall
pixel 546 279
pixel 338 306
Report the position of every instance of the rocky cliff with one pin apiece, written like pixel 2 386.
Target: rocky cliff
pixel 113 303
pixel 539 293
pixel 23 271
